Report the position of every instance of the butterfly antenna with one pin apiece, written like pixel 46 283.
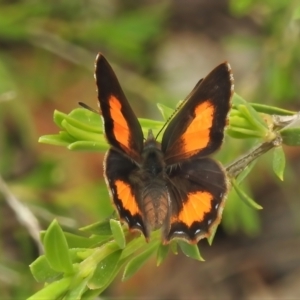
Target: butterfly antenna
pixel 83 105
pixel 179 107
pixel 170 118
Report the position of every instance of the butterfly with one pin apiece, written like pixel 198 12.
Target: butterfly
pixel 173 185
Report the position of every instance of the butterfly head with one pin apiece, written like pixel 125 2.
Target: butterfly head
pixel 151 141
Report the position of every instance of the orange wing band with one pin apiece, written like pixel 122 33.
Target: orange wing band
pixel 125 195
pixel 120 126
pixel 197 134
pixel 195 208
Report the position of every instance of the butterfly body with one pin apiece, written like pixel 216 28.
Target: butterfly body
pixel 173 185
pixel 148 183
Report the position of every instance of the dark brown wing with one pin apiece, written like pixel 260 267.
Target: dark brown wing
pixel 197 191
pixel 198 127
pixel 122 128
pixel 117 169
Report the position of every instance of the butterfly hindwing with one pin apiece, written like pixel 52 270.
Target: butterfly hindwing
pixel 117 169
pixel 197 191
pixel 198 126
pixel 122 128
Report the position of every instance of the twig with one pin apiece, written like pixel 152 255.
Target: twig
pixel 236 167
pixel 23 214
pixel 280 122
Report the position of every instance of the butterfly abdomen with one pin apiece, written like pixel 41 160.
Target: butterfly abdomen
pixel 155 204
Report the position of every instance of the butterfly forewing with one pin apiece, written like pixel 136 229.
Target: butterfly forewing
pixel 122 128
pixel 198 127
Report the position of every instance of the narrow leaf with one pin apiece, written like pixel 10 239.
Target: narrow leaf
pixel 249 112
pixel 173 247
pixel 245 172
pixel 98 146
pixel 87 117
pixel 138 261
pixel 166 112
pixel 85 120
pixel 242 133
pixel 81 134
pixel 56 249
pixel 212 235
pixel 77 241
pixel 278 162
pixel 243 196
pixel 76 290
pixel 53 290
pixel 118 233
pixel 61 139
pixel 151 124
pixel 105 270
pixel 42 271
pixel 91 294
pixel 162 253
pixel 189 250
pixel 271 110
pixel 291 136
pixel 99 228
pixel 58 118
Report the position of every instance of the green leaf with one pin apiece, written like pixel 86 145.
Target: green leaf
pixel 165 111
pixel 243 196
pixel 53 290
pixel 56 249
pixel 242 133
pixel 99 146
pixel 105 271
pixel 238 216
pixel 77 290
pixel 77 241
pixel 212 235
pixel 271 110
pixel 249 112
pixel 42 271
pixel 191 251
pixel 173 247
pixel 118 233
pixel 58 118
pixel 91 294
pixel 133 246
pixel 81 134
pixel 239 121
pixel 138 261
pixel 85 119
pixel 253 117
pixel 61 139
pixel 88 266
pixel 162 253
pixel 291 136
pixel 99 228
pixel 150 124
pixel 245 172
pixel 278 162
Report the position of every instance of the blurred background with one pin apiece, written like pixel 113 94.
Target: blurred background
pixel 159 50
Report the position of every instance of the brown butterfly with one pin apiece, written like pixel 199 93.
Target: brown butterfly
pixel 172 185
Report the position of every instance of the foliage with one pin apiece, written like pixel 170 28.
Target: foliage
pixel 46 47
pixel 92 263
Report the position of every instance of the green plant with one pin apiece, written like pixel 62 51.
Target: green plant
pixel 76 266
